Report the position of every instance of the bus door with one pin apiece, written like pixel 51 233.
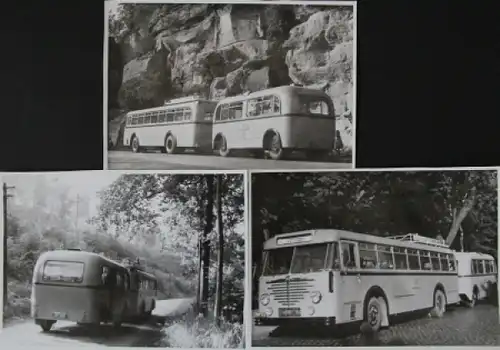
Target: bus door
pixel 351 294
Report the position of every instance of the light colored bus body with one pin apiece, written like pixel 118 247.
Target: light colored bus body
pixel 476 271
pixel 184 123
pixel 346 290
pixel 71 285
pixel 284 112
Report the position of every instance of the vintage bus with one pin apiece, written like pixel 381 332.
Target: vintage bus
pixel 477 273
pixel 181 124
pixel 276 121
pixel 87 288
pixel 144 289
pixel 337 277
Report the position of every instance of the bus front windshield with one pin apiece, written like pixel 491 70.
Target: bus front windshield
pixel 301 259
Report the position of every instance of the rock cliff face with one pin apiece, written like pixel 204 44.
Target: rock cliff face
pixel 158 52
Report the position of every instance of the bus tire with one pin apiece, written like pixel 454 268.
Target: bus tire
pixel 221 146
pixel 439 303
pixel 273 145
pixel 46 325
pixel 475 297
pixel 135 145
pixel 374 314
pixel 170 144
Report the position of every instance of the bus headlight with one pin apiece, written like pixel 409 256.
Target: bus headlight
pixel 265 299
pixel 269 312
pixel 316 297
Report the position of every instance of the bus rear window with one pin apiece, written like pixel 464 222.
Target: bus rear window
pixel 314 105
pixel 63 271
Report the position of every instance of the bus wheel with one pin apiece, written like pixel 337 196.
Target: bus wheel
pixel 222 147
pixel 135 145
pixel 373 318
pixel 170 144
pixel 475 297
pixel 274 147
pixel 439 307
pixel 46 325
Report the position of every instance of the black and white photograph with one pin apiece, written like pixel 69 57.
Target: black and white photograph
pixel 99 259
pixel 375 258
pixel 230 85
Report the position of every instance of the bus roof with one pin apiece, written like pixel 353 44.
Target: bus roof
pixel 168 105
pixel 473 255
pixel 275 90
pixel 331 235
pixel 68 255
pixel 144 273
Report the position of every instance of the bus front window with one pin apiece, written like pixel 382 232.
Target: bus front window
pixel 64 271
pixel 309 258
pixel 278 261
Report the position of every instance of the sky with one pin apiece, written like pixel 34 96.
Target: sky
pixel 82 183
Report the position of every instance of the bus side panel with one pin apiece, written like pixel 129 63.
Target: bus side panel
pixel 465 286
pixel 77 304
pixel 315 133
pixel 185 134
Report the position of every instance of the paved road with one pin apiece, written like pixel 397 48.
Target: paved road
pixel 460 326
pixel 125 160
pixel 69 335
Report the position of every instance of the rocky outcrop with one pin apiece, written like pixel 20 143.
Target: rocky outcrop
pixel 222 50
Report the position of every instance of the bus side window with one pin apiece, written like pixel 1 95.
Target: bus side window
pixel 435 262
pixel 425 261
pixel 453 263
pixel 119 279
pixel 348 255
pixel 480 266
pixel 385 258
pixel 367 255
pixel 154 117
pixel 487 266
pixel 400 258
pixel 276 104
pixel 170 115
pixel 187 114
pixel 413 262
pixel 126 284
pixel 135 121
pixel 444 262
pixel 162 116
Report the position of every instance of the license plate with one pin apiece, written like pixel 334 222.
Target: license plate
pixel 59 315
pixel 294 312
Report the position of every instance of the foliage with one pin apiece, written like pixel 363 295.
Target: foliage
pixel 201 333
pixel 171 207
pixel 378 203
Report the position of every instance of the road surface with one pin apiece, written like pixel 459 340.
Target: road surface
pixel 68 335
pixel 126 160
pixel 459 327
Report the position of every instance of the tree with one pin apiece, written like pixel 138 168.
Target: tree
pixel 220 257
pixel 186 205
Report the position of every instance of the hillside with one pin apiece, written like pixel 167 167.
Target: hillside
pixel 158 52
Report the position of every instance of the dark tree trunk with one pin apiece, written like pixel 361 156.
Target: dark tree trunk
pixel 220 261
pixel 209 223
